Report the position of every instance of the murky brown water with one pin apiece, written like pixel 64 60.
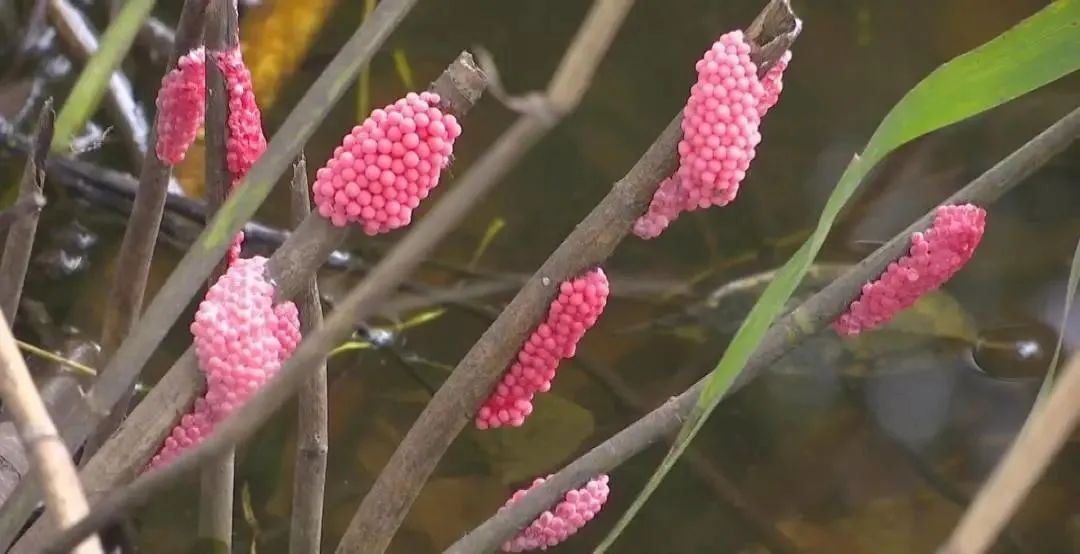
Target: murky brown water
pixel 872 447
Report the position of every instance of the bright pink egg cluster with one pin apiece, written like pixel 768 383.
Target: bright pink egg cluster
pixel 244 138
pixel 935 256
pixel 241 339
pixel 181 105
pixel 580 302
pixel 720 131
pixel 245 141
pixel 387 165
pixel 554 526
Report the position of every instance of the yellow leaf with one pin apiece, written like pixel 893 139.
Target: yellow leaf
pixel 275 37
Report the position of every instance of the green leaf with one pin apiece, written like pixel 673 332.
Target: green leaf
pixel 94 79
pixel 1070 292
pixel 1038 50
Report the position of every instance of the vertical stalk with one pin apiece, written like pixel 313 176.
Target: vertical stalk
pixel 309 475
pixel 216 494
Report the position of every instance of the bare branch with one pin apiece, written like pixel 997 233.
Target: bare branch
pixel 811 316
pixel 64 500
pixel 309 475
pixel 386 504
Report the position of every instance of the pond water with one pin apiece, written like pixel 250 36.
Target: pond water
pixel 867 447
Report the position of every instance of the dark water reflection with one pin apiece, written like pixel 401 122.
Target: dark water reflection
pixel 867 451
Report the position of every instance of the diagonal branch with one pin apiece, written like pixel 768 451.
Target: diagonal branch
pixel 363 299
pixel 140 235
pixel 386 504
pixel 807 319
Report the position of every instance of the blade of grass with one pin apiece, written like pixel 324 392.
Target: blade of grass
pixel 1037 51
pixel 1070 292
pixel 45 354
pixel 94 79
pixel 492 231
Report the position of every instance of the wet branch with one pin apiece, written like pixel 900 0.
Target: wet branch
pixel 309 474
pixel 386 504
pixel 64 500
pixel 24 216
pixel 807 319
pixel 1039 440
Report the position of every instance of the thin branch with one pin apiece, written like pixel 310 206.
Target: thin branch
pixel 64 500
pixel 386 504
pixel 140 237
pixel 76 31
pixel 217 481
pixel 309 474
pixel 810 317
pixel 20 239
pixel 126 453
pixel 1040 439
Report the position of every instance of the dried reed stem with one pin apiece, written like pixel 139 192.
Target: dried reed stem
pixel 64 500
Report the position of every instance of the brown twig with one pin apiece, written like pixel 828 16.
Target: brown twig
pixel 811 316
pixel 140 236
pixel 20 239
pixel 1039 440
pixel 76 31
pixel 386 504
pixel 64 500
pixel 217 480
pixel 309 474
pixel 141 434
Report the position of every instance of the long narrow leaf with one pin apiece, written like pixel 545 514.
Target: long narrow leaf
pixel 1037 51
pixel 94 79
